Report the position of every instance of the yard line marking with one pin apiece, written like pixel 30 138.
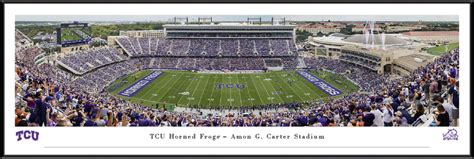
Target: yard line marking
pixel 246 86
pixel 169 88
pixel 320 83
pixel 138 85
pixel 133 74
pixel 172 86
pixel 230 90
pixel 148 90
pixel 189 84
pixel 294 92
pixel 314 90
pixel 212 92
pixel 203 90
pixel 266 91
pixel 282 101
pixel 220 96
pixel 258 92
pixel 238 89
pixel 199 81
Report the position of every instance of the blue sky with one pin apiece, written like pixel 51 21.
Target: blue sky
pixel 237 17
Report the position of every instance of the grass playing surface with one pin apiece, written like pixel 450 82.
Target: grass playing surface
pixel 440 50
pixel 69 35
pixel 184 88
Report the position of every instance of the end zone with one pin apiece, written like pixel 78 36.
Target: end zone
pixel 131 90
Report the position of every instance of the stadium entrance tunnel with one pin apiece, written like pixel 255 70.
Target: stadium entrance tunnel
pixel 388 68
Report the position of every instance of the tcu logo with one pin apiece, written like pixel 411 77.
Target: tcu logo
pixel 27 134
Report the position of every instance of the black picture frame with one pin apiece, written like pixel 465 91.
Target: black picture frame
pixel 226 2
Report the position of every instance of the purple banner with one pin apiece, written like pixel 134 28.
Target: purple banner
pixel 140 84
pixel 325 87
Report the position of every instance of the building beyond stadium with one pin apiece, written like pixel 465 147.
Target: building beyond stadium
pixel 400 54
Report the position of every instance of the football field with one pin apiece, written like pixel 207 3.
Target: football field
pixel 440 50
pixel 69 35
pixel 186 89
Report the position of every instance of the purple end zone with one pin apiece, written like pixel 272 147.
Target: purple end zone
pixel 133 89
pixel 325 87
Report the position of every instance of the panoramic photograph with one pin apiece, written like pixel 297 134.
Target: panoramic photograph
pixel 236 71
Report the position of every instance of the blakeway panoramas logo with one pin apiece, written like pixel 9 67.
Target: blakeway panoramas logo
pixel 452 134
pixel 27 134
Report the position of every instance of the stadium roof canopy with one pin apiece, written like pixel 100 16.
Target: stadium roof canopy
pixel 228 27
pixel 389 39
pixel 339 35
pixel 431 33
pixel 413 61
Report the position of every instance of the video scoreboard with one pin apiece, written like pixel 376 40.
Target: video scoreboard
pixel 73 34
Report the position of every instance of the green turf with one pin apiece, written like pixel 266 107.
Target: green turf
pixel 440 50
pixel 69 35
pixel 86 31
pixel 259 88
pixel 337 81
pixel 127 80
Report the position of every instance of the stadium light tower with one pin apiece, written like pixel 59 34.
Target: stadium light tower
pixel 252 20
pixel 372 27
pixel 180 20
pixel 369 32
pixel 382 38
pixel 203 20
pixel 277 21
pixel 366 35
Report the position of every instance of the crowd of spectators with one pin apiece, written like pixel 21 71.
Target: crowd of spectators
pixel 213 63
pixel 273 63
pixel 229 35
pixel 22 41
pixel 45 96
pixel 87 60
pixel 361 62
pixel 97 80
pixel 202 47
pixel 367 80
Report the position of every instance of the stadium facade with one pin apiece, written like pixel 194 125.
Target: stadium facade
pixel 398 53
